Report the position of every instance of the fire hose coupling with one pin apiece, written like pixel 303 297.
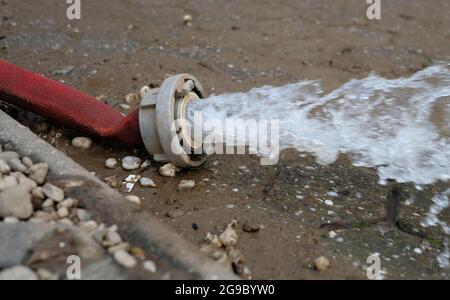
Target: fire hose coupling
pixel 163 125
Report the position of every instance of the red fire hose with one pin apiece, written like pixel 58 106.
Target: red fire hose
pixel 67 106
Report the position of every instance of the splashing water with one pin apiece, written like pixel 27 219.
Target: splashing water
pixel 400 126
pixel 440 203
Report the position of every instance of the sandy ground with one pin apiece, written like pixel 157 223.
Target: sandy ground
pixel 119 46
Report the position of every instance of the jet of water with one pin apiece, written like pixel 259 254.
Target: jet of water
pixel 399 126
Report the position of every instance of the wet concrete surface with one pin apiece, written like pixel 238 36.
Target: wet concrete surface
pixel 119 46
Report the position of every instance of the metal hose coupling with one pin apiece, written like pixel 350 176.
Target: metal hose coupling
pixel 163 125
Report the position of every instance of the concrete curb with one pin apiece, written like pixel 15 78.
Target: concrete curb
pixel 109 206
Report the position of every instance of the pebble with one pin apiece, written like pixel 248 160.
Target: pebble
pixel 322 263
pixel 149 266
pixel 131 163
pixel 329 202
pixel 16 165
pixel 68 203
pixel 8 155
pixel 89 226
pixel 7 182
pixel 45 274
pixel 134 199
pixel 147 182
pixel 16 202
pixel 47 203
pixel 27 161
pixel 18 273
pixel 186 185
pixel 130 182
pixel 121 246
pixel 111 163
pixel 42 217
pixel 146 164
pixel 4 167
pixel 168 170
pixel 37 193
pixel 53 192
pixel 83 215
pixel 251 227
pixel 187 20
pixel 38 172
pixel 125 259
pixel 229 237
pixel 26 182
pixel 112 238
pixel 213 240
pixel 173 214
pixel 11 220
pixel 63 212
pixel 82 143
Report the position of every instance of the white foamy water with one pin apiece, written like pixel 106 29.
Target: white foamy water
pixel 400 126
pixel 440 203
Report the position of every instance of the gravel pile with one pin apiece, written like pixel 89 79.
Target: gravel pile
pixel 27 197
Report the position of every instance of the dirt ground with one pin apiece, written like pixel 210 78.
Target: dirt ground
pixel 119 46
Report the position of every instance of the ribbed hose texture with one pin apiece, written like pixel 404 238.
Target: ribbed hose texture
pixel 67 106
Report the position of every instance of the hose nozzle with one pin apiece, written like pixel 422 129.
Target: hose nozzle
pixel 163 124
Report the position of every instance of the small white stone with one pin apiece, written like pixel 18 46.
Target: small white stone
pixel 131 163
pixel 16 165
pixel 332 234
pixel 146 164
pixel 134 199
pixel 82 142
pixel 4 167
pixel 16 202
pixel 121 246
pixel 38 172
pixel 83 215
pixel 186 185
pixel 168 170
pixel 68 203
pixel 11 220
pixel 53 192
pixel 112 238
pixel 48 203
pixel 229 237
pixel 322 263
pixel 89 226
pixel 149 266
pixel 63 212
pixel 27 161
pixel 125 259
pixel 111 163
pixel 7 182
pixel 187 19
pixel 147 182
pixel 37 193
pixel 332 194
pixel 329 202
